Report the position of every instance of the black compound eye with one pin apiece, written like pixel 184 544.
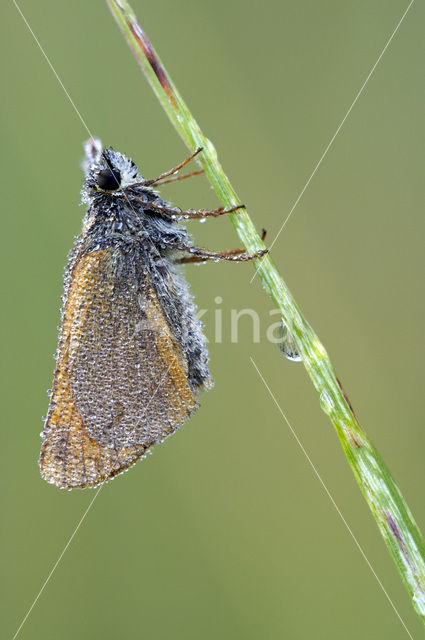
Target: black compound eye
pixel 109 179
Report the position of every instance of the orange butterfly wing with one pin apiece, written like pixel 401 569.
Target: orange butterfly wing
pixel 120 384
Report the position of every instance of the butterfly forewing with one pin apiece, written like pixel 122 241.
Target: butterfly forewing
pixel 121 380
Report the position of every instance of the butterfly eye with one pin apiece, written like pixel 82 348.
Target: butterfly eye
pixel 109 179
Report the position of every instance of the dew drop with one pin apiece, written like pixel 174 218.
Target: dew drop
pixel 287 345
pixel 326 403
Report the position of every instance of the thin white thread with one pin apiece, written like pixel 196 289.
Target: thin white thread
pixel 338 129
pixel 319 477
pixel 57 562
pixel 52 68
pixel 97 492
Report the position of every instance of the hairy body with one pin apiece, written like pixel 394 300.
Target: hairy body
pixel 132 357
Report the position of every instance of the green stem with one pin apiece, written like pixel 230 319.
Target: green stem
pixel 388 507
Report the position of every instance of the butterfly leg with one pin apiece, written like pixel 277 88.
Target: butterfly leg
pixel 191 215
pixel 197 254
pixel 172 171
pixel 178 178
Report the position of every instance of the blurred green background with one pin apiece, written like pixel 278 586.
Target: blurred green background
pixel 225 532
